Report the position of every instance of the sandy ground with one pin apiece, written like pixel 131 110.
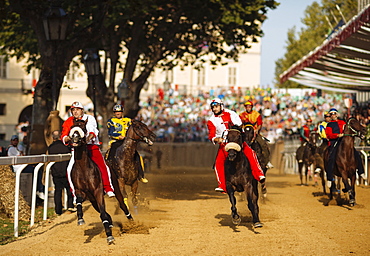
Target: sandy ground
pixel 180 214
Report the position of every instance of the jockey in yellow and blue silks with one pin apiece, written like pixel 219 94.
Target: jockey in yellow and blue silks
pixel 322 126
pixel 117 128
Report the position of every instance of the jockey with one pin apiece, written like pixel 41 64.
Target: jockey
pixel 323 124
pixel 92 146
pixel 334 132
pixel 254 118
pixel 221 120
pixel 305 131
pixel 117 128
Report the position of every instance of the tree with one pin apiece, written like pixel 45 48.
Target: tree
pixel 151 33
pixel 315 31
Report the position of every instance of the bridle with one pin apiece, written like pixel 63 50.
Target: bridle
pixel 356 133
pixel 141 137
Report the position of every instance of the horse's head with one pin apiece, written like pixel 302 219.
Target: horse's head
pixel 78 132
pixel 234 140
pixel 249 133
pixel 141 132
pixel 356 128
pixel 315 139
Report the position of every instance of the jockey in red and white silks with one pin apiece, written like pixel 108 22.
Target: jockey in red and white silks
pixel 222 120
pixel 92 146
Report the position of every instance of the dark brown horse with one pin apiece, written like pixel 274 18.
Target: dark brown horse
pixel 239 177
pixel 124 163
pixel 304 157
pixel 86 179
pixel 345 162
pixel 263 157
pixel 317 147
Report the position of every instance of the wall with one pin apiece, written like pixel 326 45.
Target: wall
pixel 191 156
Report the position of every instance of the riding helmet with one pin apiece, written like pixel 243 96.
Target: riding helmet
pixel 77 104
pixel 118 108
pixel 249 102
pixel 216 102
pixel 333 110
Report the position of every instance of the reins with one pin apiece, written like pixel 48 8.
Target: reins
pixel 356 133
pixel 141 137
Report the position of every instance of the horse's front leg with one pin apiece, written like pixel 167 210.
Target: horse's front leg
pixel 349 188
pixel 80 220
pixel 234 212
pixel 99 205
pixel 251 189
pixel 134 188
pixel 122 189
pixel 118 184
pixel 300 170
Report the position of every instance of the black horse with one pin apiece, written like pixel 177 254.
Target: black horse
pixel 124 163
pixel 239 176
pixel 86 179
pixel 345 161
pixel 263 157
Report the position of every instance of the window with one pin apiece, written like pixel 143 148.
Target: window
pixel 2 109
pixel 2 67
pixel 2 136
pixel 201 76
pixel 232 75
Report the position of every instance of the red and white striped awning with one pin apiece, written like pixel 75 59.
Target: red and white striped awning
pixel 341 63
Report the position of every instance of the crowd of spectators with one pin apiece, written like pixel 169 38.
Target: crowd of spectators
pixel 182 118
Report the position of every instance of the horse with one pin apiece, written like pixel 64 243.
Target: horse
pixel 86 179
pixel 263 157
pixel 345 162
pixel 304 158
pixel 239 176
pixel 124 164
pixel 317 147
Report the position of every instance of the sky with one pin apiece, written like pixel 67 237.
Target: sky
pixel 288 14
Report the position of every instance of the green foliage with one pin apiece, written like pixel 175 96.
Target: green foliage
pixel 7 225
pixel 315 31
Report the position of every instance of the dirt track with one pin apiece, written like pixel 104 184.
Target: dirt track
pixel 179 214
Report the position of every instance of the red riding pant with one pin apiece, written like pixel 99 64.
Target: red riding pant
pixel 221 156
pixel 97 157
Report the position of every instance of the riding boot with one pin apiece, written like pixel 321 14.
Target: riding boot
pixel 257 171
pixel 331 160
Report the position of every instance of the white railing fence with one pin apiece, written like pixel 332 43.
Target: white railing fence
pixel 25 160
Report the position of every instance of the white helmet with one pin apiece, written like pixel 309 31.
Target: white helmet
pixel 77 104
pixel 216 101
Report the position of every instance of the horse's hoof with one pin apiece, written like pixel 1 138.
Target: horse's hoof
pixel 258 225
pixel 135 201
pixel 81 222
pixel 237 220
pixel 110 240
pixel 352 202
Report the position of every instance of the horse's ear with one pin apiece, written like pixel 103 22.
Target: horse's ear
pixel 237 127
